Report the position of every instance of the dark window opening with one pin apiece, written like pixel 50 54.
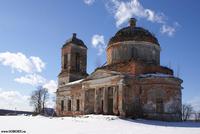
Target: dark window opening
pixel 134 53
pixel 110 100
pixel 140 91
pixel 159 105
pixel 77 62
pixel 110 106
pixel 69 105
pixel 65 61
pixel 102 106
pixel 62 105
pixel 110 92
pixel 78 105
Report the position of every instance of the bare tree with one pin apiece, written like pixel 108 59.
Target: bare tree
pixel 187 110
pixel 38 99
pixel 197 116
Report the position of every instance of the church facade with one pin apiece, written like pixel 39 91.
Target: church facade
pixel 132 83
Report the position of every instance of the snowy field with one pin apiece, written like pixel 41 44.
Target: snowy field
pixel 94 124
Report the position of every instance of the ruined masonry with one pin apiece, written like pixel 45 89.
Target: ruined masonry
pixel 132 83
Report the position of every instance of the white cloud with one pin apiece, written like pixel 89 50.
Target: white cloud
pixel 32 67
pixel 14 100
pixel 89 2
pixel 37 63
pixel 169 30
pixel 51 86
pixel 32 79
pixel 99 43
pixel 165 29
pixel 21 63
pixel 154 17
pixel 124 10
pixel 37 80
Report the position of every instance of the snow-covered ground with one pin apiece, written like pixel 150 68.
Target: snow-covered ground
pixel 94 124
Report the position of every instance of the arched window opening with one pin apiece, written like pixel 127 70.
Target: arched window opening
pixel 69 105
pixel 159 105
pixel 77 62
pixel 134 53
pixel 62 105
pixel 65 61
pixel 77 105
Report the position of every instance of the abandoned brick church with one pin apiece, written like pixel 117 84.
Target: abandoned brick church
pixel 132 83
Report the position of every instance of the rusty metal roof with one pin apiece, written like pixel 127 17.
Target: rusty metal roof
pixel 133 34
pixel 75 40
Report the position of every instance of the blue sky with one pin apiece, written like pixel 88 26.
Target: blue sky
pixel 32 33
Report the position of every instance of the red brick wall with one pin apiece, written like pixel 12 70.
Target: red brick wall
pixel 137 67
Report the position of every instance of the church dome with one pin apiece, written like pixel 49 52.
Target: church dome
pixel 133 33
pixel 75 41
pixel 133 43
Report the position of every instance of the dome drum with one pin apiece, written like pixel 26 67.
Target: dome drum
pixel 127 50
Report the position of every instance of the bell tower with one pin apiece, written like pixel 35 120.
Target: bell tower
pixel 73 61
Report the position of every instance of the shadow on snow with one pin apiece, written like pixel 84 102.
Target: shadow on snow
pixel 166 124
